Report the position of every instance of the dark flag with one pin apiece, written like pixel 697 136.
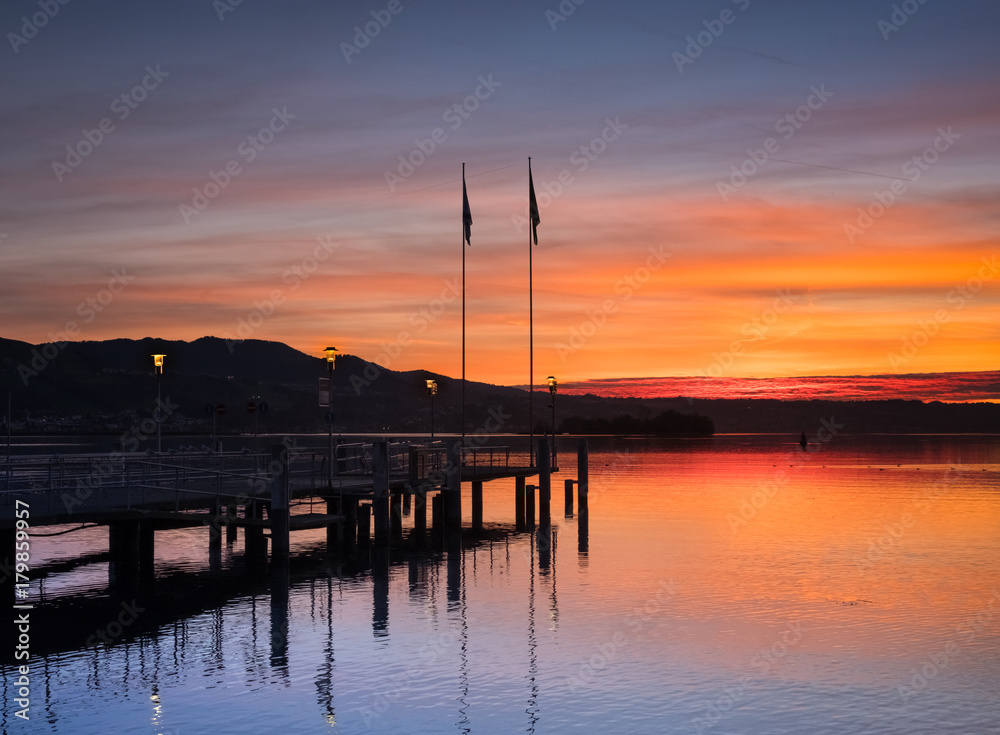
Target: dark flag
pixel 532 206
pixel 466 212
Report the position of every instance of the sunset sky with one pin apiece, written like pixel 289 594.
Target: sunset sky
pixel 860 238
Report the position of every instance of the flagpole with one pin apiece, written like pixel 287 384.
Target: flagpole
pixel 464 200
pixel 531 346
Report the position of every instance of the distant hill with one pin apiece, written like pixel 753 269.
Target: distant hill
pixel 107 386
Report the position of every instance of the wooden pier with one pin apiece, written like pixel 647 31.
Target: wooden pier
pixel 366 493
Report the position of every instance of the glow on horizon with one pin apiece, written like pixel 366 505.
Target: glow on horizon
pixel 309 246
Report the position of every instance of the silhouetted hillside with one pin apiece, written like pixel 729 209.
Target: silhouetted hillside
pixel 105 386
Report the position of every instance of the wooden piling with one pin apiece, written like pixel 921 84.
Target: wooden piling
pixel 569 498
pixel 350 510
pixel 230 523
pixel 334 531
pixel 582 475
pixel 278 510
pixel 147 552
pixel 396 515
pixel 380 494
pixel 519 504
pixel 453 499
pixel 364 523
pixel 529 506
pixel 407 503
pixel 477 505
pixel 544 484
pixel 420 510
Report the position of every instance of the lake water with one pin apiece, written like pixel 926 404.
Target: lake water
pixel 729 585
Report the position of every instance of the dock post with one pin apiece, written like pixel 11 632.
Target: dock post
pixel 123 543
pixel 278 511
pixel 529 506
pixel 453 492
pixel 544 484
pixel 255 545
pixel 407 501
pixel 364 523
pixel 215 533
pixel 582 475
pixel 230 523
pixel 380 495
pixel 436 515
pixel 349 508
pixel 477 505
pixel 147 552
pixel 396 516
pixel 519 504
pixel 420 510
pixel 334 533
pixel 569 498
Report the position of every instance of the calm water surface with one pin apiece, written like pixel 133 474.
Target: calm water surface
pixel 731 585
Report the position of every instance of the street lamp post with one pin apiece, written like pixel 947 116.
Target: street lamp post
pixel 157 416
pixel 432 389
pixel 552 404
pixel 331 360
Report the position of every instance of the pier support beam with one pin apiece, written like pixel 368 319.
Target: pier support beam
pixel 420 510
pixel 147 552
pixel 453 492
pixel 396 516
pixel 230 524
pixel 254 541
pixel 406 503
pixel 477 505
pixel 123 543
pixel 334 531
pixel 349 507
pixel 380 497
pixel 519 495
pixel 569 498
pixel 544 484
pixel 364 523
pixel 582 475
pixel 278 512
pixel 529 506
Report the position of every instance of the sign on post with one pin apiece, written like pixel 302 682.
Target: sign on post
pixel 324 393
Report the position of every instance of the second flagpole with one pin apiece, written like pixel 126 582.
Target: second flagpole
pixel 465 231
